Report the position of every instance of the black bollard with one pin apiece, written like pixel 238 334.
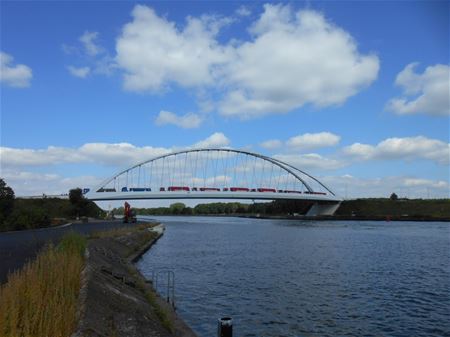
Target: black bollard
pixel 225 327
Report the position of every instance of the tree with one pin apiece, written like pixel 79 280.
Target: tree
pixel 177 208
pixel 7 198
pixel 78 201
pixel 393 197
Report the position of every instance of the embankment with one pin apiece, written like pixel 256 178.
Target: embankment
pixel 115 299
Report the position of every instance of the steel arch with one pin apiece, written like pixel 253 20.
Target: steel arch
pixel 285 166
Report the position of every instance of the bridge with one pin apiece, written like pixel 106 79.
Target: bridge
pixel 217 174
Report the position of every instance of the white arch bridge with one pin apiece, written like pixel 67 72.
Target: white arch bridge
pixel 217 174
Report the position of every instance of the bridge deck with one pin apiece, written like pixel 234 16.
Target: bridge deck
pixel 97 196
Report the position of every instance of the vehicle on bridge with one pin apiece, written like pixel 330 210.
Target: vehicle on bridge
pixel 178 188
pixel 261 189
pixel 136 189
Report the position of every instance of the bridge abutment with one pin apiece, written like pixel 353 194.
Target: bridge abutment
pixel 318 209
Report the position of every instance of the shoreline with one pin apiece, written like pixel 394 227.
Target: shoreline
pixel 116 299
pixel 386 218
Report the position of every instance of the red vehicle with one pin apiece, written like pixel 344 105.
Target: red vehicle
pixel 208 189
pixel 178 188
pixel 239 189
pixel 128 214
pixel 261 189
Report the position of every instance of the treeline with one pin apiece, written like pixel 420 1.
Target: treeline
pixel 279 207
pixel 375 208
pixel 17 213
pixel 394 207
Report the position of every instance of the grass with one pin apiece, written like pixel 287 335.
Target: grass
pixel 125 230
pixel 159 311
pixel 41 300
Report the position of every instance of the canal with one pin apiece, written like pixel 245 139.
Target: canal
pixel 305 278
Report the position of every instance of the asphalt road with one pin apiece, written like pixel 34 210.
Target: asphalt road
pixel 16 248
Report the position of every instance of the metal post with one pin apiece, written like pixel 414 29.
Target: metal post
pixel 225 327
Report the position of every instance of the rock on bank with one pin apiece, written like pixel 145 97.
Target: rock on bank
pixel 115 300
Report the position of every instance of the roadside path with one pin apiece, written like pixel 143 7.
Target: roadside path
pixel 18 247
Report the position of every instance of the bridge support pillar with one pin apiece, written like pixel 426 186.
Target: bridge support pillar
pixel 323 209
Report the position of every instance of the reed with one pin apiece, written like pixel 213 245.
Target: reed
pixel 41 299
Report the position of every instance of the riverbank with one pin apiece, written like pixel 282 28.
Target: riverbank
pixel 371 209
pixel 350 217
pixel 115 298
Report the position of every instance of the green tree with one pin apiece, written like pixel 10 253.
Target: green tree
pixel 177 208
pixel 393 197
pixel 78 201
pixel 7 198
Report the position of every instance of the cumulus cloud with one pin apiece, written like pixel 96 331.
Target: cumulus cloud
pixel 81 72
pixel 17 76
pixel 427 93
pixel 111 154
pixel 408 148
pixel 153 52
pixel 88 40
pixel 295 58
pixel 25 183
pixel 243 11
pixel 216 140
pixel 292 59
pixel 188 121
pixel 309 141
pixel 116 154
pixel 350 187
pixel 271 144
pixel 310 161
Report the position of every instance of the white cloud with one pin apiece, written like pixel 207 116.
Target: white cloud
pixel 117 154
pixel 310 161
pixel 17 76
pixel 427 93
pixel 153 52
pixel 111 154
pixel 348 186
pixel 309 141
pixel 81 72
pixel 25 183
pixel 212 181
pixel 243 11
pixel 216 140
pixel 187 121
pixel 271 144
pixel 408 148
pixel 88 39
pixel 294 59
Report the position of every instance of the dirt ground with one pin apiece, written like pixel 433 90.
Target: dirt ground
pixel 114 299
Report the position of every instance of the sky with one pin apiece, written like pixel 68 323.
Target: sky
pixel 356 93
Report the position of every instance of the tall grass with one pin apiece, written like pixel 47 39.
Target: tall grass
pixel 41 299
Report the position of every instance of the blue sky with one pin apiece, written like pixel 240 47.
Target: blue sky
pixel 356 93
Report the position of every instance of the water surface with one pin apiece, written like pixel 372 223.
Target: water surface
pixel 304 278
